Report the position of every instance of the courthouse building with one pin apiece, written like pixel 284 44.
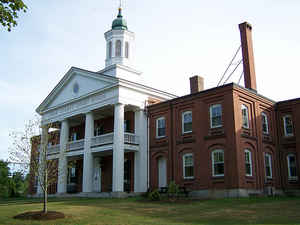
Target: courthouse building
pixel 117 135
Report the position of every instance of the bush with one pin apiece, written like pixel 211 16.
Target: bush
pixel 173 190
pixel 154 195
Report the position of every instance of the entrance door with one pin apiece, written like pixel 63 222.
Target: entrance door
pixel 127 175
pixel 162 172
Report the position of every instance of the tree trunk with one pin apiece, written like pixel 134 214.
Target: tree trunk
pixel 45 193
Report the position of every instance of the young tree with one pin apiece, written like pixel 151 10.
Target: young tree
pixel 30 148
pixel 9 12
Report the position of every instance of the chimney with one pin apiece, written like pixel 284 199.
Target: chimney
pixel 196 84
pixel 248 58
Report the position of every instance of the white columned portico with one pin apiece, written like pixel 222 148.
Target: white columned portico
pixel 42 158
pixel 87 183
pixel 118 149
pixel 63 162
pixel 140 157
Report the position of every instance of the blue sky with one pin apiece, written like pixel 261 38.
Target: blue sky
pixel 174 41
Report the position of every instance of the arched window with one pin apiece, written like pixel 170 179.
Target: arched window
pixel 187 120
pixel 292 168
pixel 188 166
pixel 118 48
pixel 127 49
pixel 248 162
pixel 109 49
pixel 217 157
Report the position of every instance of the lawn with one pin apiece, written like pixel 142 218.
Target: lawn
pixel 138 211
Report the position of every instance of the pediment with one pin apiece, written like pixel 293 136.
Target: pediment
pixel 74 85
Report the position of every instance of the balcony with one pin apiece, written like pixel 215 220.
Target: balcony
pixel 75 145
pixel 101 140
pixel 107 139
pixel 53 149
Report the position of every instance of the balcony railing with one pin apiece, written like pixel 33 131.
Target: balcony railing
pixel 104 139
pixel 75 145
pixel 130 138
pixel 53 149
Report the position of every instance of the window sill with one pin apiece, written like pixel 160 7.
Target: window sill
pixel 160 137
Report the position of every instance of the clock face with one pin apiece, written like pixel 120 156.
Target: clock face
pixel 76 88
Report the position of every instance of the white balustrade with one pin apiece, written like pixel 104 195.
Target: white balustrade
pixel 53 149
pixel 130 138
pixel 106 139
pixel 75 145
pixel 103 139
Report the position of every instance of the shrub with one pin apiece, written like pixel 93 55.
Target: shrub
pixel 173 189
pixel 154 195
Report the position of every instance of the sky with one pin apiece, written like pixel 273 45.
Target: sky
pixel 174 41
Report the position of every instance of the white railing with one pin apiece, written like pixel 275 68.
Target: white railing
pixel 131 138
pixel 53 149
pixel 75 145
pixel 103 139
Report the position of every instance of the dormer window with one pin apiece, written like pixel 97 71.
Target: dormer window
pixel 118 48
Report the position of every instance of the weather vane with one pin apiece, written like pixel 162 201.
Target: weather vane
pixel 120 4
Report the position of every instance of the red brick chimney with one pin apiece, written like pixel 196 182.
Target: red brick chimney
pixel 196 84
pixel 248 58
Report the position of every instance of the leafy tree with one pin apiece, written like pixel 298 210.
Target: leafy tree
pixel 9 10
pixel 4 178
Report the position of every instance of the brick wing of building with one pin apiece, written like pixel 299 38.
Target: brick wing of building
pixel 116 135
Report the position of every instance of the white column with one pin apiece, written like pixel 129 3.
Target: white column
pixel 118 149
pixel 87 181
pixel 140 157
pixel 42 158
pixel 63 162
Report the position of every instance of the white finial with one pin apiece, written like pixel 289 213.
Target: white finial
pixel 120 4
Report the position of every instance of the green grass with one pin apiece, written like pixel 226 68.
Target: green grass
pixel 138 211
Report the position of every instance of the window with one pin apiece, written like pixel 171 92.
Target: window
pixel 187 119
pixel 73 136
pixel 118 48
pixel 288 125
pixel 72 174
pixel 127 126
pixel 248 163
pixel 126 49
pixel 188 166
pixel 109 49
pixel 218 163
pixel 245 117
pixel 264 122
pixel 99 130
pixel 160 127
pixel 268 165
pixel 292 169
pixel 216 116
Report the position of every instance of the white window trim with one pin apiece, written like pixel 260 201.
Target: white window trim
pixel 288 164
pixel 267 123
pixel 284 126
pixel 182 122
pixel 183 164
pixel 210 115
pixel 160 118
pixel 213 162
pixel 269 156
pixel 250 158
pixel 247 112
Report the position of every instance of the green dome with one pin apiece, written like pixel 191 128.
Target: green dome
pixel 119 23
